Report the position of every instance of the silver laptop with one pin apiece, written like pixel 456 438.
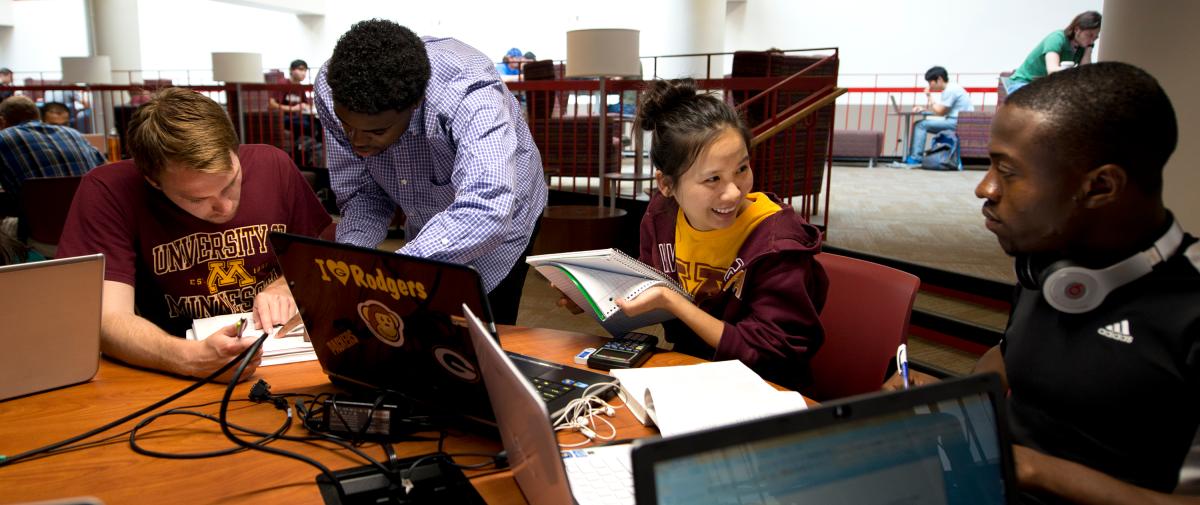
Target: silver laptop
pixel 896 106
pixel 51 315
pixel 600 475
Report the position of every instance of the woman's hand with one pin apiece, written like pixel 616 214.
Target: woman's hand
pixel 657 297
pixel 565 301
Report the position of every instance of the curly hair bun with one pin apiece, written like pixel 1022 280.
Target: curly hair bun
pixel 661 98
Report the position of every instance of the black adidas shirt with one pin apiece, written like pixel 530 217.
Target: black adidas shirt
pixel 1118 388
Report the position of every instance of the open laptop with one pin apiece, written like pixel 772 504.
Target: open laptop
pixel 389 321
pixel 945 443
pixel 51 314
pixel 599 475
pixel 896 107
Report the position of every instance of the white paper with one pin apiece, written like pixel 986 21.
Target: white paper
pixel 679 409
pixel 726 378
pixel 276 351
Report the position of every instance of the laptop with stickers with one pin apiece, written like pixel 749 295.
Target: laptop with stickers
pixel 389 321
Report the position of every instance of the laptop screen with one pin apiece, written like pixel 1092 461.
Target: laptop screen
pixel 389 321
pixel 947 452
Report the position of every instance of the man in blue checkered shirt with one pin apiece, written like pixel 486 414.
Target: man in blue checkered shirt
pixel 427 124
pixel 30 148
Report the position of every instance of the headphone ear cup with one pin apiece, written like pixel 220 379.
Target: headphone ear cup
pixel 1026 276
pixel 1071 288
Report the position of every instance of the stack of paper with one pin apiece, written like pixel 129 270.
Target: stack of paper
pixel 684 399
pixel 277 350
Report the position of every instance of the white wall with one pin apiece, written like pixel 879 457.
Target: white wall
pixel 875 36
pixel 42 32
pixel 886 36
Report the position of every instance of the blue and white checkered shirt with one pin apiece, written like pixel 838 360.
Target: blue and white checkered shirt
pixel 466 172
pixel 36 149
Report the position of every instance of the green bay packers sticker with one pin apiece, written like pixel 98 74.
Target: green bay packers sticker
pixel 385 324
pixel 455 363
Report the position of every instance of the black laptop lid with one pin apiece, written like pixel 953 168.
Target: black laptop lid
pixel 389 321
pixel 945 443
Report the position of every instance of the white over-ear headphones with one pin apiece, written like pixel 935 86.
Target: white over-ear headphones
pixel 1074 289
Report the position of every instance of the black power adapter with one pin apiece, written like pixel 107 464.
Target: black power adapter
pixel 347 417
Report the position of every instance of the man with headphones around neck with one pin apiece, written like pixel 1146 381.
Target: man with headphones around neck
pixel 1102 350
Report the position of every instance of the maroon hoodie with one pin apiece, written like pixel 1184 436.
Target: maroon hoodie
pixel 773 327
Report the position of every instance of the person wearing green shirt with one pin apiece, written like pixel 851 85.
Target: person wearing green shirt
pixel 1074 44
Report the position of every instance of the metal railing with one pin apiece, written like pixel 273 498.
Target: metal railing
pixel 565 120
pixel 102 108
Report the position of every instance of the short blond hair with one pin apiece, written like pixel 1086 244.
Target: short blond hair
pixel 181 128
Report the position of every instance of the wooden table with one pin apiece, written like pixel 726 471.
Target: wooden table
pixel 115 474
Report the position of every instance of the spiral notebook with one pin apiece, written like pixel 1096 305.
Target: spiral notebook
pixel 594 280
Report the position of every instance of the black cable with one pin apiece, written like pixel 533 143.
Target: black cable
pixel 271 450
pixel 126 432
pixel 244 357
pixel 85 445
pixel 306 416
pixel 495 459
pixel 266 437
pixel 442 437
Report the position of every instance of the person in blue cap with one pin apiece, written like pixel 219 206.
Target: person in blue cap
pixel 510 66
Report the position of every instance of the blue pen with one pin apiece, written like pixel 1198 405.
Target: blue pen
pixel 902 363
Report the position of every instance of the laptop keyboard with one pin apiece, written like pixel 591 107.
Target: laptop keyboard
pixel 551 390
pixel 600 475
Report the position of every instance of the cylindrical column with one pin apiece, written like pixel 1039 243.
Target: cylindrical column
pixel 114 29
pixel 1136 32
pixel 692 27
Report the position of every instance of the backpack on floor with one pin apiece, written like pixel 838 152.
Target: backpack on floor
pixel 943 153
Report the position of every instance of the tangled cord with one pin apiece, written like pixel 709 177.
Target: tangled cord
pixel 581 414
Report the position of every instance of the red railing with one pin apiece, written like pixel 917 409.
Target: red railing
pixel 181 77
pixel 108 107
pixel 565 121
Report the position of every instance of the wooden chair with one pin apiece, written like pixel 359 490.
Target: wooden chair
pixel 98 141
pixel 865 318
pixel 44 204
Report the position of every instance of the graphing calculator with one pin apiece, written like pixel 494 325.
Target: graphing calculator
pixel 626 351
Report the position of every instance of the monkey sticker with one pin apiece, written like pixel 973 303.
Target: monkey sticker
pixel 385 324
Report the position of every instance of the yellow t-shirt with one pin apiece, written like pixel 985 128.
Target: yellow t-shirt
pixel 702 258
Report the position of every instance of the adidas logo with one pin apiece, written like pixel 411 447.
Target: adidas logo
pixel 1117 331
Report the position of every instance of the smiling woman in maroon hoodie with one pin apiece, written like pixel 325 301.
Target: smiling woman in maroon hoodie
pixel 747 258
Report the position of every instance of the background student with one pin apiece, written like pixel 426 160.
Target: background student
pixel 954 99
pixel 1073 44
pixel 747 258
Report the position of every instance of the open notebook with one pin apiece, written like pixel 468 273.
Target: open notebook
pixel 594 280
pixel 684 399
